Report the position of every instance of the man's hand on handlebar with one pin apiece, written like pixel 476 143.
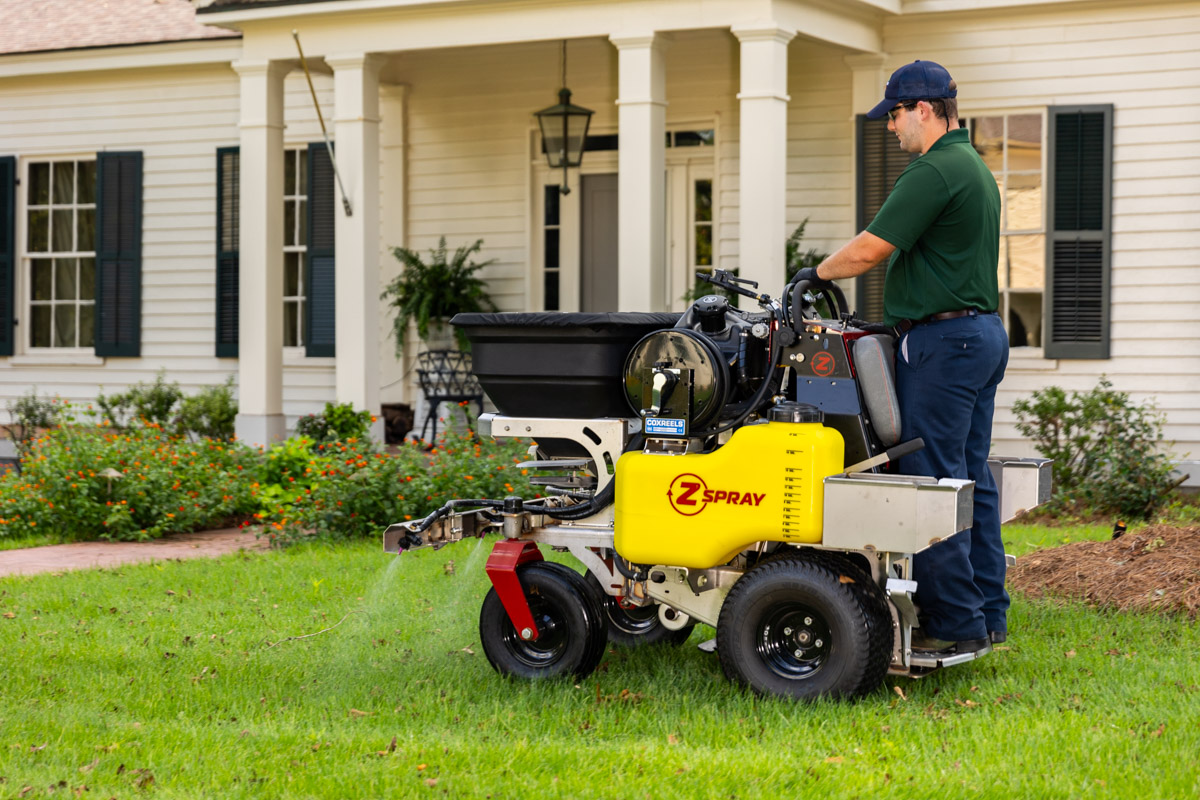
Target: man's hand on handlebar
pixel 809 275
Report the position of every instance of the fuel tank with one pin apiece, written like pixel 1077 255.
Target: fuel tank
pixel 701 509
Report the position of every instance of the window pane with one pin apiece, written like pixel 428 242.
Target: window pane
pixel 551 257
pixel 704 245
pixel 39 231
pixel 85 230
pixel 39 184
pixel 303 325
pixel 85 182
pixel 87 325
pixel 704 201
pixel 64 326
pixel 302 219
pixel 302 172
pixel 62 239
pixel 87 278
pixel 65 287
pixel 1025 142
pixel 1025 319
pixel 41 280
pixel 552 196
pixel 291 324
pixel 1026 261
pixel 64 183
pixel 551 291
pixel 291 274
pixel 289 223
pixel 988 138
pixel 693 138
pixel 39 328
pixel 289 172
pixel 1023 202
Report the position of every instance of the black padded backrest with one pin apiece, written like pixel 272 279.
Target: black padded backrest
pixel 874 360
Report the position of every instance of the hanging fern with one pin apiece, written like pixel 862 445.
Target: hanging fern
pixel 436 290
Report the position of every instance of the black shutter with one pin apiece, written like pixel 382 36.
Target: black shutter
pixel 118 254
pixel 8 202
pixel 1078 242
pixel 228 207
pixel 880 162
pixel 319 271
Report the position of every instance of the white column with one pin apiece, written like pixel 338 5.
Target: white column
pixel 356 123
pixel 867 85
pixel 641 168
pixel 260 417
pixel 762 184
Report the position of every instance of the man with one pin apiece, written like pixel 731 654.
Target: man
pixel 939 229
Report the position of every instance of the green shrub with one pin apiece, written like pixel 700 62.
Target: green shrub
pixel 359 491
pixel 335 423
pixel 1107 451
pixel 154 403
pixel 89 481
pixel 29 415
pixel 209 414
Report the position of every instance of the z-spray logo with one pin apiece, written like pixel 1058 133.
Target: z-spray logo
pixel 688 494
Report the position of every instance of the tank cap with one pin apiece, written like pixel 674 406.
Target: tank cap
pixel 791 411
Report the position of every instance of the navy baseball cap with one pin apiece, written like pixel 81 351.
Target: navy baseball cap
pixel 920 80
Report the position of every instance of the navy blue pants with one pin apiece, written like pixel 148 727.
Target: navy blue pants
pixel 946 378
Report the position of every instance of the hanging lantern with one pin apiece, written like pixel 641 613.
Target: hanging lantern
pixel 564 129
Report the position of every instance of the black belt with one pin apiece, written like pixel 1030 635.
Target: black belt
pixel 906 325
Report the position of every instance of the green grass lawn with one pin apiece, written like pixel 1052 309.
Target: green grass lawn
pixel 177 680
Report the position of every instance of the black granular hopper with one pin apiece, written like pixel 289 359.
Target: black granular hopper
pixel 556 363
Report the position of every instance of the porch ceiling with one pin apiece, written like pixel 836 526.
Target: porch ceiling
pixel 382 26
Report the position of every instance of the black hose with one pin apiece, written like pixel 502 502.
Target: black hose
pixel 623 567
pixel 425 523
pixel 756 401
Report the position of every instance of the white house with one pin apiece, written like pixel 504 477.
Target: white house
pixel 167 199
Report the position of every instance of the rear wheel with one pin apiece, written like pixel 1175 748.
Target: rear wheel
pixel 571 633
pixel 790 627
pixel 637 625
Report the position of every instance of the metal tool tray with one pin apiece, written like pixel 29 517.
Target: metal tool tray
pixel 894 513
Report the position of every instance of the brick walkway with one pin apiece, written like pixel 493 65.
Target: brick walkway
pixel 85 555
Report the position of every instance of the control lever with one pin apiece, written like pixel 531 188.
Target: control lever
pixel 662 386
pixel 900 450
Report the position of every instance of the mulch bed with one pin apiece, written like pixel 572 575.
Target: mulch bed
pixel 1156 568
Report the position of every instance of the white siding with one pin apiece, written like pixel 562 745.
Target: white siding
pixel 1145 60
pixel 177 118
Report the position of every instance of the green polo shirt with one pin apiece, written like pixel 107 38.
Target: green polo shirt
pixel 943 216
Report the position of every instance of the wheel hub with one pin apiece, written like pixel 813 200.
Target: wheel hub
pixel 793 641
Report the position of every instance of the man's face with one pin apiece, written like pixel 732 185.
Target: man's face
pixel 905 121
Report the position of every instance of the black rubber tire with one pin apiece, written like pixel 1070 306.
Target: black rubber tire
pixel 571 632
pixel 882 627
pixel 636 627
pixel 831 632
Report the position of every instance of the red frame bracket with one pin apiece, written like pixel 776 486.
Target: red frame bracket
pixel 506 556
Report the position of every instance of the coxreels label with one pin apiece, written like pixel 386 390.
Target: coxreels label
pixel 688 494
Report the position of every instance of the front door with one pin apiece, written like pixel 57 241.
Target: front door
pixel 598 243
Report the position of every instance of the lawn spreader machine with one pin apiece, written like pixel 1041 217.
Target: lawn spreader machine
pixel 721 466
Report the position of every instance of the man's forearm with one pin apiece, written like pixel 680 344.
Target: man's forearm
pixel 854 258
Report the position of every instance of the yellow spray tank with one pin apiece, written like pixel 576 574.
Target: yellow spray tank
pixel 700 510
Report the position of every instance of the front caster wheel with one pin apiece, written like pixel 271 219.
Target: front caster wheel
pixel 790 627
pixel 570 625
pixel 636 626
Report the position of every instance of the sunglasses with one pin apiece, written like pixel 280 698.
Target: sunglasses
pixel 905 106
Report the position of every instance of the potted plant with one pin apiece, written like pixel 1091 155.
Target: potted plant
pixel 429 293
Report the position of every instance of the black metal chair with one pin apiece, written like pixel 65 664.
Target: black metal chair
pixel 445 377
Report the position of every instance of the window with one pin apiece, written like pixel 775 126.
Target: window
pixel 309 213
pixel 551 226
pixel 1056 225
pixel 1011 146
pixel 60 253
pixel 701 233
pixel 295 245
